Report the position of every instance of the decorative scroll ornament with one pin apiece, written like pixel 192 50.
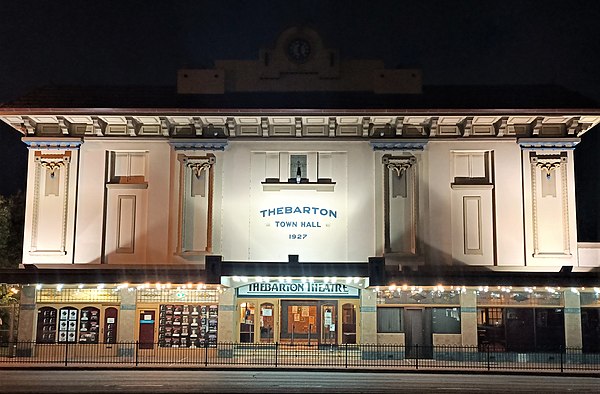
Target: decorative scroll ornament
pixel 198 167
pixel 549 163
pixel 51 166
pixel 399 165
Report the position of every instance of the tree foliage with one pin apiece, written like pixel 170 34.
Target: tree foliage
pixel 12 218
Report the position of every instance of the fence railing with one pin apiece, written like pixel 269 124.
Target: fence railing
pixel 274 355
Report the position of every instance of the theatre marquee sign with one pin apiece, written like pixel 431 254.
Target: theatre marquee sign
pixel 304 289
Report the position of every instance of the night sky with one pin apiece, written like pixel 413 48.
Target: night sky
pixel 453 42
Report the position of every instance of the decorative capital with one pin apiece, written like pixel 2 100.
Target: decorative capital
pixel 198 166
pixel 548 163
pixel 399 165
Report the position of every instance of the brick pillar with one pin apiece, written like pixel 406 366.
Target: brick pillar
pixel 27 321
pixel 468 318
pixel 126 323
pixel 573 336
pixel 227 331
pixel 27 314
pixel 127 316
pixel 368 317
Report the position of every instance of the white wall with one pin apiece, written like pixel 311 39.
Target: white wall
pixel 241 232
pixel 443 217
pixel 248 234
pixel 151 232
pixel 50 204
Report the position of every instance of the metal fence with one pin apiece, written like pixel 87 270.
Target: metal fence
pixel 277 355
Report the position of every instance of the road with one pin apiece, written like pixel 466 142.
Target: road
pixel 174 381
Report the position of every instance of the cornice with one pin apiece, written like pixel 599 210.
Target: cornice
pixel 198 145
pixel 54 143
pixel 311 124
pixel 398 145
pixel 548 144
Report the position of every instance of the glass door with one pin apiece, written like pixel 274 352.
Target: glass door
pixel 299 322
pixel 329 324
pixel 267 322
pixel 247 322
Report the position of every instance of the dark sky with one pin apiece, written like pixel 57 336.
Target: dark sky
pixel 453 42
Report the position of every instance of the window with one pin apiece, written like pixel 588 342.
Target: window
pixel 472 167
pixel 298 169
pixel 445 320
pixel 128 167
pixel 389 320
pixel 489 316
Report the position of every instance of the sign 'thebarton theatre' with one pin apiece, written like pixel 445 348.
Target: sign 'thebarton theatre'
pixel 304 289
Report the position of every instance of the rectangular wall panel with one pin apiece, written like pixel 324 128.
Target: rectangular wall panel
pixel 472 224
pixel 126 224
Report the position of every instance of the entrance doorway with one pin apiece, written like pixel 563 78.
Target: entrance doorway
pixel 418 336
pixel 309 322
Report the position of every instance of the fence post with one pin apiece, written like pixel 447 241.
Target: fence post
pixel 346 355
pixel 488 357
pixel 206 353
pixel 276 353
pixel 417 357
pixel 562 362
pixel 66 352
pixel 137 346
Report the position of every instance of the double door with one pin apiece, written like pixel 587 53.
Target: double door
pixel 418 332
pixel 323 322
pixel 309 322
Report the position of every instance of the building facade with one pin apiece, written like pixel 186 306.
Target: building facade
pixel 236 220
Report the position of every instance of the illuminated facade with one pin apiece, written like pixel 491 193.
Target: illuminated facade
pixel 184 225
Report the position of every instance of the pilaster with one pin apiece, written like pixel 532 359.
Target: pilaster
pixel 227 316
pixel 573 336
pixel 368 317
pixel 468 318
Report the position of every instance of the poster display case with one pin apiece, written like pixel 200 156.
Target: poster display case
pixel 67 325
pixel 187 325
pixel 110 325
pixel 46 325
pixel 89 325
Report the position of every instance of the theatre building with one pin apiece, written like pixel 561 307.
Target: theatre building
pixel 307 199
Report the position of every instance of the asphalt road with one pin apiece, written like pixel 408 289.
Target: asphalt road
pixel 172 381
